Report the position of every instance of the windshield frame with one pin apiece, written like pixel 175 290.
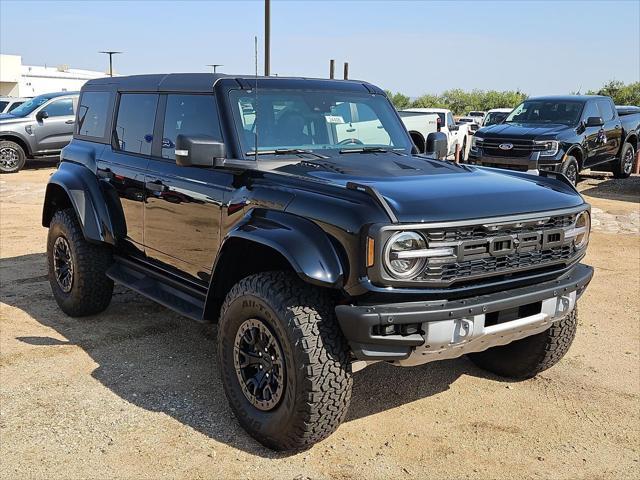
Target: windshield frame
pixel 31 105
pixel 247 152
pixel 550 100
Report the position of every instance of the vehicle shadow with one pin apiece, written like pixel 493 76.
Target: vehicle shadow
pixel 159 361
pixel 624 190
pixel 40 163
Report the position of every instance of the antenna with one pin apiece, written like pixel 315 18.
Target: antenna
pixel 255 109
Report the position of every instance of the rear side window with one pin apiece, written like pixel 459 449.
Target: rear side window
pixel 60 108
pixel 606 110
pixel 92 114
pixel 14 105
pixel 189 115
pixel 134 125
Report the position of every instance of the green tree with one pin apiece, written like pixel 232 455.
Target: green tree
pixel 620 93
pixel 399 100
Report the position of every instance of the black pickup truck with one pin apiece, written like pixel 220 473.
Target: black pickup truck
pixel 562 134
pixel 299 216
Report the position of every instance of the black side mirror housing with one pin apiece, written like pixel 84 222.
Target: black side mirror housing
pixel 454 128
pixel 594 122
pixel 41 115
pixel 436 145
pixel 198 151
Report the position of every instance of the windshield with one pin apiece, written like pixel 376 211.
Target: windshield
pixel 316 120
pixel 29 106
pixel 494 118
pixel 546 111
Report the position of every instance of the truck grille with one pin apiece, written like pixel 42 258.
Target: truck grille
pixel 493 249
pixel 520 148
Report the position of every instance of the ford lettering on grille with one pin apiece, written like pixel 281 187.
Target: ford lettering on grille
pixel 503 245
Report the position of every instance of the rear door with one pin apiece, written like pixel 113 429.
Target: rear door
pixel 183 204
pixel 55 132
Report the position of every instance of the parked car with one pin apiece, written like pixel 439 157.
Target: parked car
pixel 420 126
pixel 477 115
pixel 472 122
pixel 317 252
pixel 39 127
pixel 457 135
pixel 562 134
pixel 495 116
pixel 9 103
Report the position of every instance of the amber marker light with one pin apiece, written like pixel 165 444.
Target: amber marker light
pixel 371 250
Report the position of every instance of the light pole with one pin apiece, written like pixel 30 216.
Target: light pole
pixel 215 66
pixel 111 53
pixel 267 37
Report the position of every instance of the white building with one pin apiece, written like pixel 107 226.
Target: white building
pixel 17 80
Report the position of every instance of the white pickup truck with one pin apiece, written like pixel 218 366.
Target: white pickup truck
pixel 456 134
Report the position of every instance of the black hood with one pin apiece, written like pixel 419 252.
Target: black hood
pixel 523 131
pixel 420 190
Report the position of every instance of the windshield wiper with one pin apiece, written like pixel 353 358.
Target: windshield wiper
pixel 285 151
pixel 370 150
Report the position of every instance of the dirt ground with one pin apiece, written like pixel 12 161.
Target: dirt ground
pixel 134 392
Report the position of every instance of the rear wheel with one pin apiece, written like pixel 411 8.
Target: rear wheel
pixel 529 356
pixel 12 157
pixel 624 165
pixel 77 268
pixel 283 360
pixel 571 170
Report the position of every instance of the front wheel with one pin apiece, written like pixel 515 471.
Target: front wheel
pixel 283 360
pixel 571 170
pixel 12 157
pixel 527 357
pixel 623 166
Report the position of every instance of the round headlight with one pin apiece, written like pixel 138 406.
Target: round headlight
pixel 397 254
pixel 583 226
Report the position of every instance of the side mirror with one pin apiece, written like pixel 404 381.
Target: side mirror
pixel 41 115
pixel 198 151
pixel 454 128
pixel 436 145
pixel 594 122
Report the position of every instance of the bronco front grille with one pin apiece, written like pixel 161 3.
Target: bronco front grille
pixel 491 248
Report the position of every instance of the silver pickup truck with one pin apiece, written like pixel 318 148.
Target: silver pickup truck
pixel 39 127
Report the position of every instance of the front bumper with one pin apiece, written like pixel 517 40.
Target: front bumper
pixel 449 329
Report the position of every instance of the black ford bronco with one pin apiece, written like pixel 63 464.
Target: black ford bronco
pixel 298 215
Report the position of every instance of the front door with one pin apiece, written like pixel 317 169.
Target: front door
pixel 56 130
pixel 184 204
pixel 612 131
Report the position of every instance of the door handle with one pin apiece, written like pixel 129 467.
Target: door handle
pixel 70 122
pixel 155 186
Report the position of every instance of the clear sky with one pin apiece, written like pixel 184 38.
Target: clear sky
pixel 416 47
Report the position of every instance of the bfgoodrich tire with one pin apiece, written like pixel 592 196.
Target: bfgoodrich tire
pixel 77 268
pixel 624 165
pixel 12 157
pixel 283 360
pixel 529 356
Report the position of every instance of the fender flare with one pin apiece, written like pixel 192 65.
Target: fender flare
pixel 572 149
pixel 9 135
pixel 93 206
pixel 301 242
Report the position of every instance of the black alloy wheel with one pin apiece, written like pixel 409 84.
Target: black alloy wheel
pixel 63 264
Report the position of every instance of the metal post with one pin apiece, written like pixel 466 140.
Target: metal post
pixel 111 53
pixel 332 68
pixel 346 70
pixel 267 37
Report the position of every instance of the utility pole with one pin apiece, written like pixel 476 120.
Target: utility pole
pixel 332 68
pixel 267 37
pixel 346 70
pixel 111 53
pixel 215 66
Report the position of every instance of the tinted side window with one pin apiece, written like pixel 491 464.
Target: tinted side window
pixel 60 108
pixel 3 105
pixel 92 114
pixel 590 110
pixel 189 115
pixel 134 126
pixel 14 105
pixel 606 110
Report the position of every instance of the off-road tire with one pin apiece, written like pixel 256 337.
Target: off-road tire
pixel 7 145
pixel 571 169
pixel 91 289
pixel 622 169
pixel 317 390
pixel 527 357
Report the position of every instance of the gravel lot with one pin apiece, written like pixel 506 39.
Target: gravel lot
pixel 134 392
